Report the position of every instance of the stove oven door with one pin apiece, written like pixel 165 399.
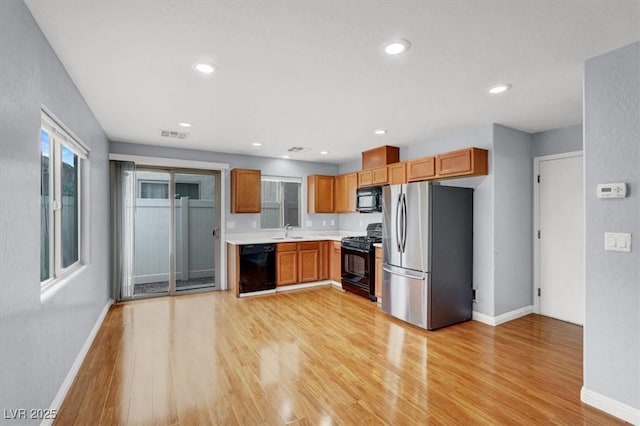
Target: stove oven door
pixel 356 275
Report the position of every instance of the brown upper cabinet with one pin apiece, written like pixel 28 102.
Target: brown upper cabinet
pixel 397 173
pixel 376 176
pixel 245 191
pixel 421 169
pixel 345 193
pixel 380 156
pixel 320 194
pixel 464 162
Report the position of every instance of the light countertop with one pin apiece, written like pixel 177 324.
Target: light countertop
pixel 278 237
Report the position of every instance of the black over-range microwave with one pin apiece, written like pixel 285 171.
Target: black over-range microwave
pixel 369 199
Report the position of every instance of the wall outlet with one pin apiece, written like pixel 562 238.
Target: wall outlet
pixel 324 223
pixel 360 224
pixel 231 224
pixel 309 224
pixel 333 222
pixel 254 224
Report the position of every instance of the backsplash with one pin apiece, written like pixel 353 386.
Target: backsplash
pixel 358 222
pixel 243 223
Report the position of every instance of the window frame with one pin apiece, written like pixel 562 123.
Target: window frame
pixel 280 180
pixel 60 136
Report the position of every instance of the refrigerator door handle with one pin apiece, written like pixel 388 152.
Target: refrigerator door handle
pixel 398 240
pixel 404 222
pixel 417 276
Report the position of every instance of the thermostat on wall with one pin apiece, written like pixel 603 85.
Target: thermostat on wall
pixel 612 190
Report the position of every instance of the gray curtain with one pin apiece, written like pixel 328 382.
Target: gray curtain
pixel 123 193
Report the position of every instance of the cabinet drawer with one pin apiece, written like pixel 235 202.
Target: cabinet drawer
pixel 286 247
pixel 313 245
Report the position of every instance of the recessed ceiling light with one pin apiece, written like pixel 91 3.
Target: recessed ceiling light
pixel 499 88
pixel 184 124
pixel 286 157
pixel 324 152
pixel 380 131
pixel 397 47
pixel 256 144
pixel 204 68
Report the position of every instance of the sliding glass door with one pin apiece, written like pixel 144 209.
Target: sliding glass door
pixel 195 222
pixel 152 233
pixel 175 233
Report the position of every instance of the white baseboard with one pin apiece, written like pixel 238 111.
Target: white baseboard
pixel 75 367
pixel 336 284
pixel 502 318
pixel 610 406
pixel 301 286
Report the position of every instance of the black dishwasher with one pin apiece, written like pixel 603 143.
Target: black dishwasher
pixel 257 267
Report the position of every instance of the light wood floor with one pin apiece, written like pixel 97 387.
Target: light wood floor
pixel 319 357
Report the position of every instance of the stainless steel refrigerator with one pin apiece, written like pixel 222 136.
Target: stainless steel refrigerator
pixel 427 244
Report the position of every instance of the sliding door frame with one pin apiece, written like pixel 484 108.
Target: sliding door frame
pixel 187 166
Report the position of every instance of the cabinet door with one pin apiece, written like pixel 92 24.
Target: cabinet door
pixel 378 272
pixel 245 191
pixel 421 169
pixel 308 260
pixel 335 264
pixel 397 173
pixel 464 162
pixel 320 196
pixel 365 178
pixel 345 193
pixel 323 261
pixel 350 191
pixel 379 176
pixel 287 267
pixel 341 194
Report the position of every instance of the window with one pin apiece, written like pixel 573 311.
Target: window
pixel 61 158
pixel 160 190
pixel 280 199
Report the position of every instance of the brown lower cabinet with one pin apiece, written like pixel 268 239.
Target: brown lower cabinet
pixel 301 262
pixel 378 273
pixel 335 263
pixel 308 262
pixel 286 263
pixel 323 269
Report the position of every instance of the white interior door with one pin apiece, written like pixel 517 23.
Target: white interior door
pixel 560 254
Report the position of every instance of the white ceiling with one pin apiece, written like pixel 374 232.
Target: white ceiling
pixel 313 73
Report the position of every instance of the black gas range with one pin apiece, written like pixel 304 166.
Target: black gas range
pixel 358 262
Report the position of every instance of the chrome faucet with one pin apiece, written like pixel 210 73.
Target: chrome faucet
pixel 287 228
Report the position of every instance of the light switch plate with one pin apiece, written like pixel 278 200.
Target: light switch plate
pixel 231 224
pixel 617 241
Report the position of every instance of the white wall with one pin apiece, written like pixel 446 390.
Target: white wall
pixel 612 154
pixel 39 340
pixel 513 209
pixel 556 141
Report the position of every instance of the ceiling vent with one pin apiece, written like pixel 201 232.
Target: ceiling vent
pixel 173 134
pixel 298 149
